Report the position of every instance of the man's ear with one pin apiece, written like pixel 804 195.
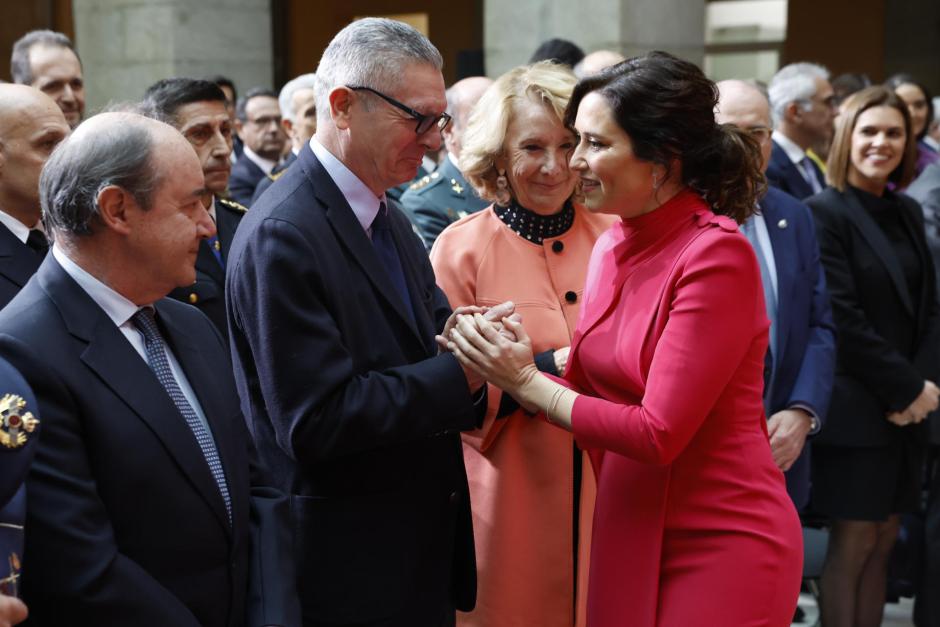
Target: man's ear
pixel 115 207
pixel 288 127
pixel 792 111
pixel 341 100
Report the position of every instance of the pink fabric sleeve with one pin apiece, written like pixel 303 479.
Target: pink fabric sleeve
pixel 716 311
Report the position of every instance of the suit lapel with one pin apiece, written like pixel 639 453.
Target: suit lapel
pixel 411 264
pixel 881 246
pixel 17 261
pixel 798 185
pixel 782 244
pixel 112 358
pixel 350 232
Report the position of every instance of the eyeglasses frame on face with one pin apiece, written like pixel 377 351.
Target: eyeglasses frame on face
pixel 760 133
pixel 427 121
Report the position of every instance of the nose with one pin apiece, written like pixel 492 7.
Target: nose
pixel 878 139
pixel 67 94
pixel 576 161
pixel 205 225
pixel 431 139
pixel 554 161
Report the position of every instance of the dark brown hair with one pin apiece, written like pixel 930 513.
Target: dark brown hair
pixel 667 107
pixel 840 155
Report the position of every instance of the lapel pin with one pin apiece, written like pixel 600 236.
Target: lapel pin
pixel 782 224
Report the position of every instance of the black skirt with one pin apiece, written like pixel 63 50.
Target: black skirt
pixel 867 483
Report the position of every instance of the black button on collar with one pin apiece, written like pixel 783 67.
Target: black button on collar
pixel 558 246
pixel 571 297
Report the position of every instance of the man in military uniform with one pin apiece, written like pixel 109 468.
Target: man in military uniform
pixel 19 432
pixel 31 125
pixel 298 118
pixel 444 196
pixel 196 108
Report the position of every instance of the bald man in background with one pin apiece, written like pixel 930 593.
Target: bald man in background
pixel 445 196
pixel 31 126
pixel 597 61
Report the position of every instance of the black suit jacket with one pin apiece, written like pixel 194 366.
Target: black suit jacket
pixel 886 347
pixel 351 407
pixel 244 179
pixel 125 524
pixel 208 292
pixel 18 262
pixel 783 174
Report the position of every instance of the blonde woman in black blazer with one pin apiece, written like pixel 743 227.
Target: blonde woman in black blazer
pixel 867 460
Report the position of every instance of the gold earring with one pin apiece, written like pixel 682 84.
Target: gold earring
pixel 503 197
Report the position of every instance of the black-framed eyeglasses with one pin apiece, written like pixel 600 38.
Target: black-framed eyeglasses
pixel 425 122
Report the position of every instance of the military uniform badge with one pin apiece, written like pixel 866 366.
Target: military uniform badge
pixel 15 422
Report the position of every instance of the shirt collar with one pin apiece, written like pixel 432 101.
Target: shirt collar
pixel 266 165
pixel 363 202
pixel 19 230
pixel 794 152
pixel 118 308
pixel 211 209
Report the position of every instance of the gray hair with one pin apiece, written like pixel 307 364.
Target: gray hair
pixel 80 167
pixel 794 83
pixel 284 99
pixel 20 69
pixel 371 52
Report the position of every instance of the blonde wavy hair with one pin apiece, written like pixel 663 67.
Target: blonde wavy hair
pixel 546 82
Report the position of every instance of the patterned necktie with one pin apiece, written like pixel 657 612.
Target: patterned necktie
pixel 385 247
pixel 770 298
pixel 146 323
pixel 37 241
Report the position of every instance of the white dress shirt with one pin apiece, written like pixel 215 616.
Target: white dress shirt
pixel 363 202
pixel 19 230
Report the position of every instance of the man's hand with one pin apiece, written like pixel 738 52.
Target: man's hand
pixel 12 611
pixel 561 359
pixel 493 314
pixel 925 403
pixel 788 430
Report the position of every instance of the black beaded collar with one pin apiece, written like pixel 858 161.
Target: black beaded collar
pixel 532 226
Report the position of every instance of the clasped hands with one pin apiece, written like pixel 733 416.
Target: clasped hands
pixel 926 402
pixel 492 345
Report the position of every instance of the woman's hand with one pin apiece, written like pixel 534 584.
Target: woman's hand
pixel 490 313
pixel 478 344
pixel 926 402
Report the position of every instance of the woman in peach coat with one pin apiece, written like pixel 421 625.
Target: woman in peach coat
pixel 531 491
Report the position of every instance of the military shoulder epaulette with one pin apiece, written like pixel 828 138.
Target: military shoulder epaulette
pixel 424 181
pixel 237 206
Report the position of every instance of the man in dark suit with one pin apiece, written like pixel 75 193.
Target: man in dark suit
pixel 333 310
pixel 48 61
pixel 801 355
pixel 298 104
pixel 258 121
pixel 445 196
pixel 145 507
pixel 196 108
pixel 804 107
pixel 31 125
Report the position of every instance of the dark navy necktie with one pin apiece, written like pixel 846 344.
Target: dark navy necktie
pixel 38 242
pixel 385 247
pixel 146 323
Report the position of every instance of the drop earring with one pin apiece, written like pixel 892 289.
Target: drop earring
pixel 503 197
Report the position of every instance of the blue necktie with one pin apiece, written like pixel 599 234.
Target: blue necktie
pixel 146 323
pixel 385 248
pixel 770 299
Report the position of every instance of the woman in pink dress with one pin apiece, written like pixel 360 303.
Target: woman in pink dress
pixel 692 525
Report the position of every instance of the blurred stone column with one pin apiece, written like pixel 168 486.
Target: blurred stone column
pixel 512 31
pixel 127 45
